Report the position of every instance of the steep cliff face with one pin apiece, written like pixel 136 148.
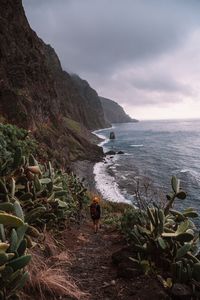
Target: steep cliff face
pixel 35 93
pixel 114 113
pixel 94 112
pixel 78 100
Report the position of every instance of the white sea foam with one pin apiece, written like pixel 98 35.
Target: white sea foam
pixel 137 145
pixel 193 173
pixel 185 171
pixel 106 184
pixel 103 137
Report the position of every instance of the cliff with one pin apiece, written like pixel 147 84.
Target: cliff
pixel 114 113
pixel 95 114
pixel 36 94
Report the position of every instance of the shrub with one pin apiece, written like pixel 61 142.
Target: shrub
pixel 165 237
pixel 31 195
pixel 14 142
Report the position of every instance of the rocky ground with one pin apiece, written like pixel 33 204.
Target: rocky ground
pixel 95 273
pixel 94 269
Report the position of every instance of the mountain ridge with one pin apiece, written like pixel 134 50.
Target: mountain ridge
pixel 59 109
pixel 36 94
pixel 114 113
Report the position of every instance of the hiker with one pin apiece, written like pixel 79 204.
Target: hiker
pixel 95 212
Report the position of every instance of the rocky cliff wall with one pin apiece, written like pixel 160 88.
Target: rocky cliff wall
pixel 94 114
pixel 35 93
pixel 114 113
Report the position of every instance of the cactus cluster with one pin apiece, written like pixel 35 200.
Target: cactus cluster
pixel 32 197
pixel 13 246
pixel 166 237
pixel 49 197
pixel 13 142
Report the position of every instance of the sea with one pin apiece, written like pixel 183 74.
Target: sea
pixel 153 152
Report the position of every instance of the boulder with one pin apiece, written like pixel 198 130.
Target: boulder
pixel 110 152
pixel 112 135
pixel 120 152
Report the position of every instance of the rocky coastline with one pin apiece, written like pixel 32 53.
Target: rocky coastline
pixel 84 169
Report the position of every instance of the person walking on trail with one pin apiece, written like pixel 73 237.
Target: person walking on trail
pixel 95 212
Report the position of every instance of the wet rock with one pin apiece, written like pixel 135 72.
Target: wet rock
pixel 110 152
pixel 120 152
pixel 112 135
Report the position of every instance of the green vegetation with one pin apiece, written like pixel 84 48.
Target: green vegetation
pixel 73 125
pixel 14 142
pixel 36 198
pixel 33 198
pixel 112 213
pixel 164 238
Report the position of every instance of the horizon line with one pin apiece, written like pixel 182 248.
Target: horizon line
pixel 169 119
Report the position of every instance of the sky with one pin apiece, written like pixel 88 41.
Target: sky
pixel 144 54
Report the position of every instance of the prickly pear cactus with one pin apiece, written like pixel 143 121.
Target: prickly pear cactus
pixel 13 252
pixel 32 197
pixel 166 237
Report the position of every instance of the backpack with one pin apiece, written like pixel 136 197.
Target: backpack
pixel 93 210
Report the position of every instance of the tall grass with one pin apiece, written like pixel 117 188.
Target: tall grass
pixel 49 278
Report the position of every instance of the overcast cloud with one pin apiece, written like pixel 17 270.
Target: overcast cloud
pixel 145 54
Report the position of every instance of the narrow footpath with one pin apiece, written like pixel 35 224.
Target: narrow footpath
pixel 94 272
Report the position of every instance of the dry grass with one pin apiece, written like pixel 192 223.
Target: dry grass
pixel 50 244
pixel 48 273
pixel 54 281
pixel 62 258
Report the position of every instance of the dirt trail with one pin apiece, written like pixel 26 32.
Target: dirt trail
pixel 92 267
pixel 94 272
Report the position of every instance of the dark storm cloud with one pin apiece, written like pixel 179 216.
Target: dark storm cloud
pixel 98 36
pixel 161 83
pixel 142 53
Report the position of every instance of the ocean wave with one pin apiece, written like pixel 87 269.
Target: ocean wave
pixel 112 167
pixel 192 173
pixel 103 137
pixel 106 183
pixel 137 145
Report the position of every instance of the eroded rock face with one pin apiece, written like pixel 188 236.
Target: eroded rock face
pixel 35 93
pixel 114 113
pixel 94 116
